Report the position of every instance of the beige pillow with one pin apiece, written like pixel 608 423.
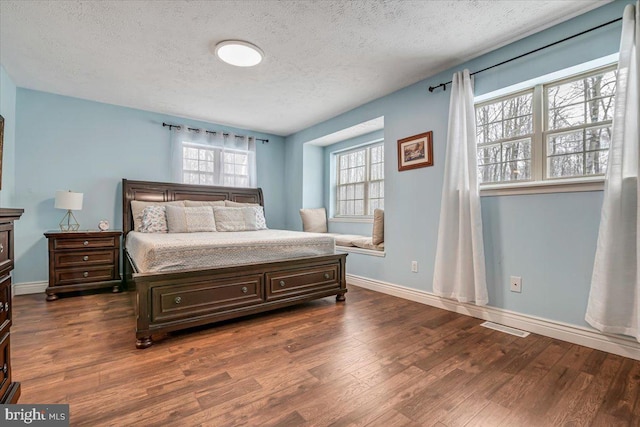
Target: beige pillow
pixel 196 203
pixel 377 236
pixel 137 207
pixel 345 239
pixel 181 219
pixel 314 220
pixel 230 204
pixel 235 219
pixel 366 243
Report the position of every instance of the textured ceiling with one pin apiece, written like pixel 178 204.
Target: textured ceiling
pixel 322 57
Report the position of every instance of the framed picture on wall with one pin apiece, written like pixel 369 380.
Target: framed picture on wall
pixel 1 145
pixel 415 151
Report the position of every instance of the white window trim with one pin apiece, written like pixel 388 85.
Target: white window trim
pixel 538 185
pixel 361 219
pixel 355 218
pixel 355 250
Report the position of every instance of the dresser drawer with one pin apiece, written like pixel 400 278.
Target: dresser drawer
pixel 5 304
pixel 293 282
pixel 174 302
pixel 6 262
pixel 69 276
pixel 80 242
pixel 80 258
pixel 5 368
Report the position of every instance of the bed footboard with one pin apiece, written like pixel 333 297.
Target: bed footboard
pixel 177 300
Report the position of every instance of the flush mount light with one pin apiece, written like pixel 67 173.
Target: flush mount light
pixel 239 53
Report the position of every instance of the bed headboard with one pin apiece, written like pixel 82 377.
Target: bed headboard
pixel 166 192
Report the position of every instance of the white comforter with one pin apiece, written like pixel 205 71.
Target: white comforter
pixel 157 252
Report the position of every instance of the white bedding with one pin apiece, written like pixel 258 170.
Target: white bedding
pixel 158 252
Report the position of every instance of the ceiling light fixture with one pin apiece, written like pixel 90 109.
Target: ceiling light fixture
pixel 239 53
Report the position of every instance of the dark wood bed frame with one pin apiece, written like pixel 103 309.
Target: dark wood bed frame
pixel 171 301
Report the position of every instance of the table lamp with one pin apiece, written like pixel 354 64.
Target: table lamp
pixel 70 201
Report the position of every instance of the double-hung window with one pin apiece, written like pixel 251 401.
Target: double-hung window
pixel 360 181
pixel 551 131
pixel 217 164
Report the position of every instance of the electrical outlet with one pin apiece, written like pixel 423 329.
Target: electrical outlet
pixel 414 266
pixel 515 283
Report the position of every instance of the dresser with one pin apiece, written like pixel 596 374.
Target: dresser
pixel 83 260
pixel 9 391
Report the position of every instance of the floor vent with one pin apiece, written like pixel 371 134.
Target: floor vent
pixel 505 329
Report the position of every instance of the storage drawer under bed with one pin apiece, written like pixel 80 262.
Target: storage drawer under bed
pixel 289 283
pixel 179 301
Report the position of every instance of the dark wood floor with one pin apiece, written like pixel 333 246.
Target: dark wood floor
pixel 374 360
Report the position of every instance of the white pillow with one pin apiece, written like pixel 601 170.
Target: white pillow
pixel 235 219
pixel 260 219
pixel 190 219
pixel 195 203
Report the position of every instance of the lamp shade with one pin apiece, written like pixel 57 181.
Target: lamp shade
pixel 68 200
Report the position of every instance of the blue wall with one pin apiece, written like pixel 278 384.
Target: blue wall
pixel 8 111
pixel 68 143
pixel 548 239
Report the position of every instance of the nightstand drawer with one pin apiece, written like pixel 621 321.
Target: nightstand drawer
pixel 81 258
pixel 90 242
pixel 68 276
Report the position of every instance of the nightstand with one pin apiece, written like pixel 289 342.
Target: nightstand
pixel 83 260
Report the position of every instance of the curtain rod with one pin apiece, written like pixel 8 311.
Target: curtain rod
pixel 211 132
pixel 444 85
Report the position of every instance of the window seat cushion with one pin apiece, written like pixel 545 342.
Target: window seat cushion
pixel 355 240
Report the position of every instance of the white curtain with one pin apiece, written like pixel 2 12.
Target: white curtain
pixel 227 159
pixel 459 267
pixel 614 300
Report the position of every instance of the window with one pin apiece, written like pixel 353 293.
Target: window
pixel 216 165
pixel 551 131
pixel 360 181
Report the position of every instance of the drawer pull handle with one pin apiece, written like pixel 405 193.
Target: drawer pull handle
pixel 86 242
pixel 326 275
pixel 1 248
pixel 1 307
pixel 178 300
pixel 85 258
pixel 85 274
pixel 5 368
pixel 6 307
pixel 244 290
pixel 282 283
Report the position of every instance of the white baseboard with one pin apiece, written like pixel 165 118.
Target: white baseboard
pixel 587 337
pixel 27 288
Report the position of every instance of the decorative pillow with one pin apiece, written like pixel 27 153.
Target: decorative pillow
pixel 196 203
pixel 137 207
pixel 154 220
pixel 235 219
pixel 190 219
pixel 261 221
pixel 314 220
pixel 377 236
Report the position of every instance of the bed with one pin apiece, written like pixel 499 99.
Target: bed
pixel 170 296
